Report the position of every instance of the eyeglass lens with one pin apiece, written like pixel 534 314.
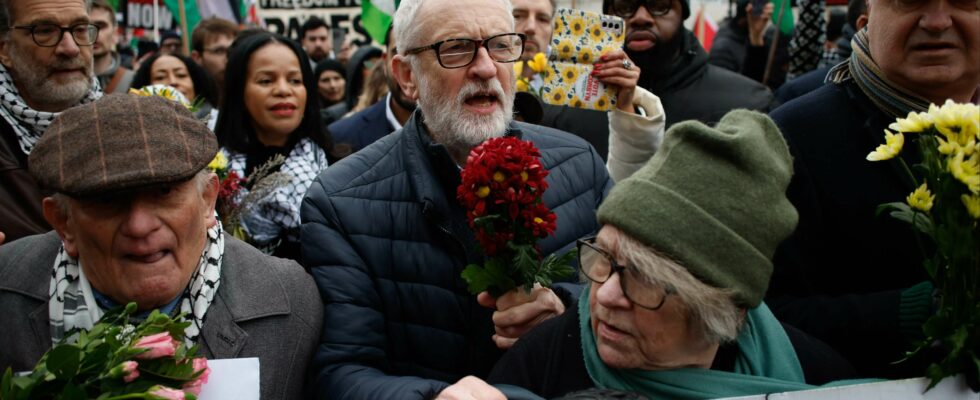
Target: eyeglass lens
pixel 597 266
pixel 460 52
pixel 51 34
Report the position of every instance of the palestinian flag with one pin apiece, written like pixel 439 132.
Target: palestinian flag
pixel 376 16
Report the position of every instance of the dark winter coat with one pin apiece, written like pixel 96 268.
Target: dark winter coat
pixel 839 277
pixel 386 241
pixel 20 195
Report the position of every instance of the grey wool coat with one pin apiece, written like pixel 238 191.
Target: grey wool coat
pixel 266 307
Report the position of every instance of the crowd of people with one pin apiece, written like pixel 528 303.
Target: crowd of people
pixel 723 212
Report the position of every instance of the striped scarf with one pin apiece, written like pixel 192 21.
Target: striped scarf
pixel 890 98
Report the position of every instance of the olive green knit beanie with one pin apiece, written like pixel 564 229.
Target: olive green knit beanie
pixel 714 200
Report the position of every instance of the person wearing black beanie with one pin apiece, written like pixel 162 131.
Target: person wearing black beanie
pixel 330 82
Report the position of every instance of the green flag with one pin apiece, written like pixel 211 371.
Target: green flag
pixel 376 16
pixel 786 25
pixel 190 11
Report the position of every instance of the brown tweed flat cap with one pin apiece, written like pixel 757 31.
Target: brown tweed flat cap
pixel 120 142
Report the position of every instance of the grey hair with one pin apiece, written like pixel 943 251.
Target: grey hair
pixel 711 311
pixel 5 15
pixel 408 33
pixel 201 180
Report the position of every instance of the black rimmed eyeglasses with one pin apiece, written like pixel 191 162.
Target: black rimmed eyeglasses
pixel 598 265
pixel 458 53
pixel 626 8
pixel 50 35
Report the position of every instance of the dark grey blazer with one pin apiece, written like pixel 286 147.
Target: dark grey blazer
pixel 266 307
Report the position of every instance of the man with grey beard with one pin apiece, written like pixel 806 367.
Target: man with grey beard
pixel 386 239
pixel 45 68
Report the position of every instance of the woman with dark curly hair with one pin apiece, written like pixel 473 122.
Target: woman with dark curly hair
pixel 270 109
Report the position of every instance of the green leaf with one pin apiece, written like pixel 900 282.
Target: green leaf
pixel 63 361
pixel 73 392
pixel 492 277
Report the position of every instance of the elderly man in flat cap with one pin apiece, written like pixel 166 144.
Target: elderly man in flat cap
pixel 134 221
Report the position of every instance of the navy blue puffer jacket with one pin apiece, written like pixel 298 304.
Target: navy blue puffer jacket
pixel 386 242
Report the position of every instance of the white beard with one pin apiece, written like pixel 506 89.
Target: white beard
pixel 452 125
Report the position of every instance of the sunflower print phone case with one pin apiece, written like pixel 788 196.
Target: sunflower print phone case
pixel 579 38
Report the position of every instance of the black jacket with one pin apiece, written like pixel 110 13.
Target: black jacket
pixel 839 277
pixel 694 89
pixel 386 241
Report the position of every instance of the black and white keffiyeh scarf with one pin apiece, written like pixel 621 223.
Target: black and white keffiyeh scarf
pixel 72 303
pixel 30 124
pixel 276 216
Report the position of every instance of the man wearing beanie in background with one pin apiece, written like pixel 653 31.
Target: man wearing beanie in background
pixel 675 67
pixel 134 220
pixel 45 70
pixel 677 273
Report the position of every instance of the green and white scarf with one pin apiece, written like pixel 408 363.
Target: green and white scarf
pixel 766 363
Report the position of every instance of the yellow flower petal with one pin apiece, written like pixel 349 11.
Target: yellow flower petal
pixel 519 68
pixel 483 191
pixel 921 198
pixel 966 170
pixel 498 176
pixel 915 122
pixel 539 63
pixel 219 163
pixel 972 204
pixel 891 148
pixel 522 85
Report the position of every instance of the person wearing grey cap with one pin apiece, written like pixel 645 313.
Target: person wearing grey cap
pixel 134 221
pixel 677 274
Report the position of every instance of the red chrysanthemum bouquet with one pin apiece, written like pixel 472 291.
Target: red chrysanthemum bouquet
pixel 501 191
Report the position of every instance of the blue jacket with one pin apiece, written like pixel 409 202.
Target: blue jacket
pixel 386 241
pixel 364 127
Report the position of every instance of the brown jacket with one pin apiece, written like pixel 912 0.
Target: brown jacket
pixel 20 196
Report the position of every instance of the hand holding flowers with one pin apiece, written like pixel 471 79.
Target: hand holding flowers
pixel 116 360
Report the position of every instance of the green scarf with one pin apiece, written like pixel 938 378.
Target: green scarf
pixel 766 363
pixel 890 98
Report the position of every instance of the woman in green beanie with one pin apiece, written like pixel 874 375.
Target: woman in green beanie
pixel 677 275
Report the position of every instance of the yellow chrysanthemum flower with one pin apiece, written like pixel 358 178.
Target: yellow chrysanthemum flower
pixel 219 163
pixel 522 85
pixel 891 148
pixel 519 68
pixel 915 122
pixel 539 63
pixel 499 176
pixel 557 97
pixel 570 74
pixel 921 198
pixel 596 33
pixel 565 48
pixel 577 26
pixel 966 170
pixel 483 191
pixel 957 122
pixel 972 204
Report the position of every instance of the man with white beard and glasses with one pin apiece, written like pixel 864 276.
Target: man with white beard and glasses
pixel 386 239
pixel 45 68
